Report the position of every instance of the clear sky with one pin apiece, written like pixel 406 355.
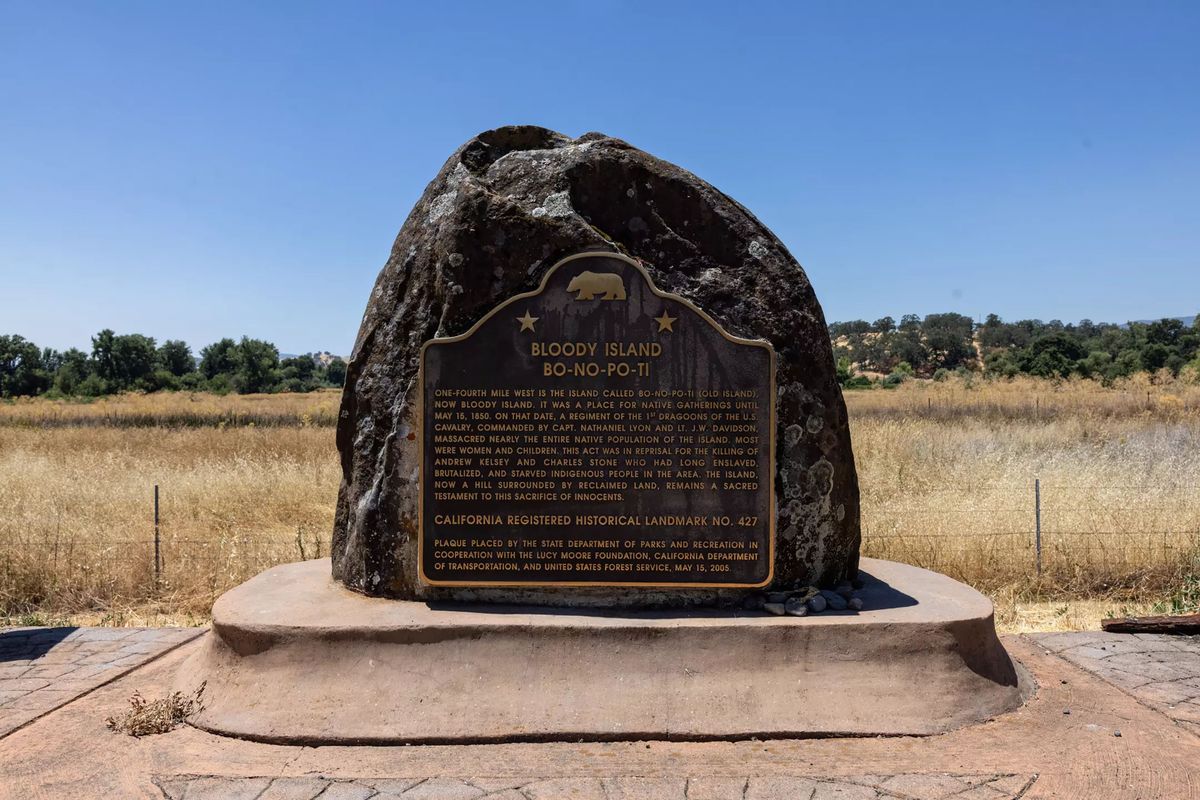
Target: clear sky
pixel 207 169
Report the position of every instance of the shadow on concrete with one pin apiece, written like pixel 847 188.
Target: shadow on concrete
pixel 880 595
pixel 31 642
pixel 876 594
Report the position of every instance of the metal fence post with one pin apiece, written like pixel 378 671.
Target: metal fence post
pixel 157 546
pixel 1037 517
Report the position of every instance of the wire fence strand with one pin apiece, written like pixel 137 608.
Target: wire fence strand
pixel 1133 534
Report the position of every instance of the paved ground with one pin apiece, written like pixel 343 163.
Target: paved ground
pixel 44 668
pixel 1039 751
pixel 1161 671
pixel 849 787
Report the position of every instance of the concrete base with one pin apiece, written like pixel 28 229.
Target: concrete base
pixel 294 657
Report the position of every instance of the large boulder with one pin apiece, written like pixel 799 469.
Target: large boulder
pixel 503 209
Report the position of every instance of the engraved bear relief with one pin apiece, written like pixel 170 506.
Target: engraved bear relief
pixel 590 284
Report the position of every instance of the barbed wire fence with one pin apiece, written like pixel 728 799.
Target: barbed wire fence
pixel 1067 535
pixel 1081 536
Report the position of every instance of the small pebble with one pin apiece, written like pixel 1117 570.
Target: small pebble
pixel 796 607
pixel 774 608
pixel 817 604
pixel 1066 711
pixel 1117 734
pixel 845 590
pixel 856 603
pixel 777 597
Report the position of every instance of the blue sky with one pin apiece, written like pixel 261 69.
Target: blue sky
pixel 197 170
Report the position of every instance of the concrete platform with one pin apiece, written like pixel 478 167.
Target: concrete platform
pixel 1038 751
pixel 296 658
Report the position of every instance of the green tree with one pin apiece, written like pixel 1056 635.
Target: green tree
pixel 1165 332
pixel 298 367
pixel 1087 329
pixel 884 325
pixel 851 328
pixel 124 362
pixel 844 371
pixel 948 339
pixel 21 369
pixel 103 355
pixel 907 345
pixel 335 372
pixel 74 368
pixel 175 357
pixel 299 374
pixel 1095 365
pixel 136 357
pixel 1127 362
pixel 219 358
pixel 1052 356
pixel 1155 356
pixel 1002 363
pixel 257 362
pixel 871 351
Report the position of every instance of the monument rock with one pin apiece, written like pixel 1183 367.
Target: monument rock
pixel 504 209
pixel 587 378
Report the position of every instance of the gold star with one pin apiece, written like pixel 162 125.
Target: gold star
pixel 665 322
pixel 527 321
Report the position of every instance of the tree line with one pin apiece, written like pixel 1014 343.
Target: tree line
pixel 938 344
pixel 133 362
pixel 931 347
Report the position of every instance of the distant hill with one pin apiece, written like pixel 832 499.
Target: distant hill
pixel 322 357
pixel 886 351
pixel 1187 321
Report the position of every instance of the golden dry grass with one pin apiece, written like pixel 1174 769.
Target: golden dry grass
pixel 1032 400
pixel 176 409
pixel 76 532
pixel 946 471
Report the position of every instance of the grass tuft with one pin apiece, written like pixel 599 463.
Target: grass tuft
pixel 147 717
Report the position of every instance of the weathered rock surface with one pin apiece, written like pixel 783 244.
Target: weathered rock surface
pixel 503 209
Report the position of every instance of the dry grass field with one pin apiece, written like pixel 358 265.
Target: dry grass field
pixel 176 410
pixel 947 473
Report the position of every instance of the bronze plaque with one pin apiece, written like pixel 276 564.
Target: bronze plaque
pixel 597 432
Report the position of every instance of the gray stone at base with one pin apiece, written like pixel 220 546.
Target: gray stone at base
pixel 295 657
